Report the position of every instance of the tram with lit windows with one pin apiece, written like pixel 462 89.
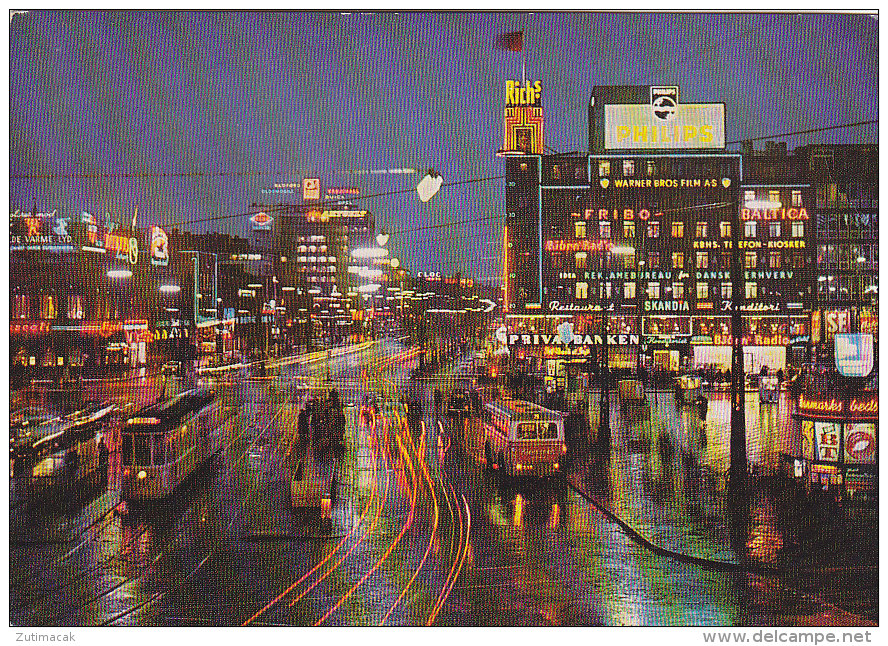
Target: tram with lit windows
pixel 523 438
pixel 163 444
pixel 52 454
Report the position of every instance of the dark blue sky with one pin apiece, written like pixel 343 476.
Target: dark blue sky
pixel 283 96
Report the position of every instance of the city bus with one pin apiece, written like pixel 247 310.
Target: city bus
pixel 163 444
pixel 522 438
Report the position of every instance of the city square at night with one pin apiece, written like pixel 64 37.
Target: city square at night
pixel 444 319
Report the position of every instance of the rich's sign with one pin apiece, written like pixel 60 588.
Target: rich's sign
pixel 528 95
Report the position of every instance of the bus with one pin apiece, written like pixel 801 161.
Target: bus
pixel 62 452
pixel 163 444
pixel 522 438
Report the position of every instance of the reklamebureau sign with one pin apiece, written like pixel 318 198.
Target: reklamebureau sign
pixel 690 125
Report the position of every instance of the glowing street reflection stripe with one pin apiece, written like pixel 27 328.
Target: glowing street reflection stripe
pixel 379 509
pixel 431 537
pixel 369 529
pixel 391 547
pixel 462 561
pixel 277 599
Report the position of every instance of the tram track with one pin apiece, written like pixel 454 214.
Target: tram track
pixel 122 555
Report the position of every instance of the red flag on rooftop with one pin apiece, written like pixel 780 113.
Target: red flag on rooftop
pixel 513 41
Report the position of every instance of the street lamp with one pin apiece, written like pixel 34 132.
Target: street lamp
pixel 429 186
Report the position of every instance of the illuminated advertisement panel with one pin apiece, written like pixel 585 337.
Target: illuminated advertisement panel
pixel 683 126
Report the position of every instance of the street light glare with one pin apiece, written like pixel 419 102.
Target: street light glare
pixel 366 252
pixel 429 186
pixel 170 289
pixel 119 273
pixel 622 250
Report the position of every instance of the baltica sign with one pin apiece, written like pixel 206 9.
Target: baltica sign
pixel 692 125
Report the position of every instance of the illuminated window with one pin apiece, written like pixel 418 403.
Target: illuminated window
pixel 702 260
pixel 748 195
pixel 47 306
pixel 628 260
pixel 628 290
pixel 749 260
pixel 774 260
pixel 581 258
pixel 749 228
pixel 726 258
pixel 798 229
pixel 604 290
pixel 678 260
pixel 580 228
pixel 651 167
pixel 726 290
pixel 702 291
pixel 774 229
pixel 653 290
pixel 796 198
pixel 604 229
pixel 678 290
pixel 725 228
pixel 678 229
pixel 75 306
pixel 752 290
pixel 604 167
pixel 653 230
pixel 21 308
pixel 629 229
pixel 702 229
pixel 773 196
pixel 654 260
pixel 582 291
pixel 628 167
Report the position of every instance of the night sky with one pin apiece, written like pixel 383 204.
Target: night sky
pixel 222 104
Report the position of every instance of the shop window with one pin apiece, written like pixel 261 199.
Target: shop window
pixel 702 229
pixel 678 260
pixel 653 291
pixel 628 167
pixel 774 229
pixel 702 260
pixel 628 290
pixel 678 290
pixel 628 229
pixel 725 228
pixel 702 291
pixel 580 228
pixel 796 198
pixel 604 167
pixel 727 291
pixel 774 260
pixel 751 290
pixel 21 308
pixel 653 229
pixel 582 291
pixel 604 229
pixel 47 306
pixel 749 260
pixel 678 229
pixel 75 307
pixel 581 259
pixel 749 229
pixel 654 260
pixel 798 229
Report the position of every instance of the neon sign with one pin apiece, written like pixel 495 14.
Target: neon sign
pixel 774 214
pixel 578 245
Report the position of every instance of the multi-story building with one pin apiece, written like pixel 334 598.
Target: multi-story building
pixel 631 246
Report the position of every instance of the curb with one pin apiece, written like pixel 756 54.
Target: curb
pixel 710 564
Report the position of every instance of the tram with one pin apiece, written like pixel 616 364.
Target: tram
pixel 48 455
pixel 163 444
